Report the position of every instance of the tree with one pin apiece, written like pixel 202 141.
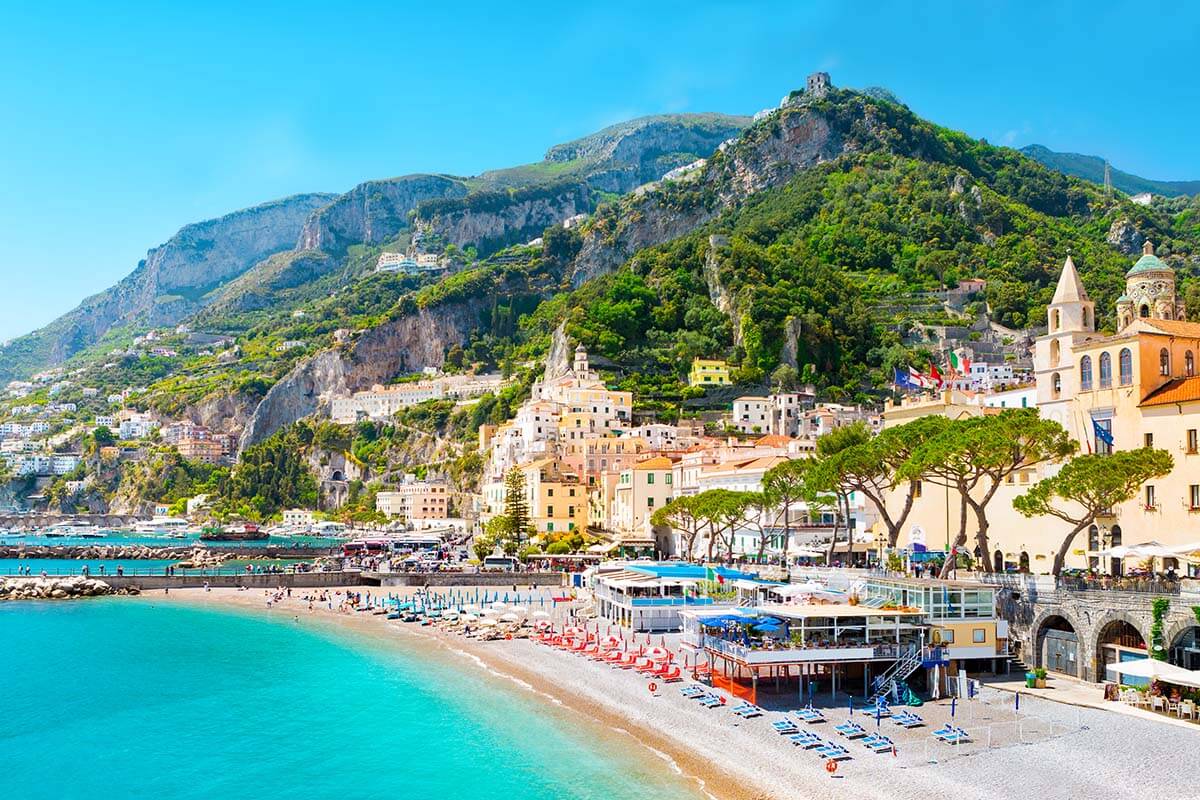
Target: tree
pixel 976 456
pixel 680 514
pixel 721 510
pixel 829 480
pixel 1091 484
pixel 874 468
pixel 784 486
pixel 103 437
pixel 516 504
pixel 784 378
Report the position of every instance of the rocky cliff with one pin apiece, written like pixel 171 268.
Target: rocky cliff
pixel 373 212
pixel 493 220
pixel 415 340
pixel 171 283
pixel 791 139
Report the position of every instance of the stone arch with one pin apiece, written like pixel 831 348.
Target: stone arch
pixel 1099 631
pixel 1175 632
pixel 337 475
pixel 1056 619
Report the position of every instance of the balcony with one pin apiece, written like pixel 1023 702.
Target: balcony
pixel 671 601
pixel 786 654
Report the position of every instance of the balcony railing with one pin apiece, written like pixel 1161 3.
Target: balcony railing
pixel 672 601
pixel 1107 583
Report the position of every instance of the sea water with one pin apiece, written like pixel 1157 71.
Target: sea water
pixel 121 697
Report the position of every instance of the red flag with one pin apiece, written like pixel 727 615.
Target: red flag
pixel 935 375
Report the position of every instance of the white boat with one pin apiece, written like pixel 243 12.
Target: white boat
pixel 64 530
pixel 167 525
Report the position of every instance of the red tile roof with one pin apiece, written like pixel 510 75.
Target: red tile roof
pixel 1176 390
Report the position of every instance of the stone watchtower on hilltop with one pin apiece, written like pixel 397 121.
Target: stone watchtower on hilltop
pixel 1149 291
pixel 818 84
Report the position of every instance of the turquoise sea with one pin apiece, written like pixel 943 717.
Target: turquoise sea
pixel 130 698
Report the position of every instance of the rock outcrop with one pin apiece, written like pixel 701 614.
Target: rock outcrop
pixel 776 148
pixel 495 220
pixel 52 588
pixel 171 282
pixel 1126 238
pixel 373 212
pixel 415 340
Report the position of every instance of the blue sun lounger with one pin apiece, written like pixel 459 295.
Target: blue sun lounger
pixel 710 701
pixel 943 731
pixel 851 730
pixel 809 715
pixel 957 736
pixel 907 719
pixel 748 711
pixel 692 691
pixel 807 740
pixel 834 751
pixel 879 709
pixel 878 744
pixel 785 725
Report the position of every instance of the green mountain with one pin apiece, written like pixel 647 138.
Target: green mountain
pixel 1091 168
pixel 243 261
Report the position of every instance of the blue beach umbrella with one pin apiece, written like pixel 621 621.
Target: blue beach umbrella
pixel 878 713
pixel 953 705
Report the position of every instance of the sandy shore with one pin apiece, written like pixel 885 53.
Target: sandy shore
pixel 1046 749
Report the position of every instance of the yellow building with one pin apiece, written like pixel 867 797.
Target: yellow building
pixel 639 491
pixel 557 500
pixel 1138 386
pixel 708 372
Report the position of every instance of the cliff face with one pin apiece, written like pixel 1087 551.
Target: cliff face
pixel 257 287
pixel 372 212
pixel 171 282
pixel 511 222
pixel 788 141
pixel 624 156
pixel 407 344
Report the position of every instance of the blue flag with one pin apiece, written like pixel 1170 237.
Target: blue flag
pixel 903 380
pixel 1102 434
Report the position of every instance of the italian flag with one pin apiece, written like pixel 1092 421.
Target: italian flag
pixel 960 364
pixel 711 575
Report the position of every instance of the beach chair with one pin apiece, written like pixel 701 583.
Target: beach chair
pixel 907 719
pixel 957 736
pixel 834 751
pixel 693 691
pixel 943 731
pixel 749 711
pixel 851 730
pixel 809 715
pixel 879 744
pixel 710 701
pixel 880 708
pixel 807 740
pixel 785 726
pixel 672 675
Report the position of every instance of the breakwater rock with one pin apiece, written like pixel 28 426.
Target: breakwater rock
pixel 55 588
pixel 197 557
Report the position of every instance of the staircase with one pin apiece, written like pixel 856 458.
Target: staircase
pixel 904 666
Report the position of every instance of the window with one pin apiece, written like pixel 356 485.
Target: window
pixel 549 527
pixel 1192 440
pixel 650 478
pixel 549 511
pixel 570 511
pixel 549 493
pixel 1194 496
pixel 1055 351
pixel 1164 362
pixel 1057 321
pixel 1105 371
pixel 1085 373
pixel 1189 364
pixel 1126 366
pixel 649 502
pixel 1102 447
pixel 1148 439
pixel 1144 312
pixel 979 635
pixel 669 479
pixel 1149 495
pixel 947 636
pixel 1056 384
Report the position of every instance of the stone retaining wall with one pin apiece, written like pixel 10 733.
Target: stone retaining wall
pixel 467 578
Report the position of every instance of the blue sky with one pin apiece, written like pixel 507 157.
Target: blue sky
pixel 121 124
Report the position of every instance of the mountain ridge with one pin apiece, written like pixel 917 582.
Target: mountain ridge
pixel 1091 168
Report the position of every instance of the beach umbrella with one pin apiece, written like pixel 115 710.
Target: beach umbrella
pixel 540 615
pixel 509 617
pixel 519 609
pixel 657 654
pixel 953 705
pixel 487 622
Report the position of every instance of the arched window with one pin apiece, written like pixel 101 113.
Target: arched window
pixel 1086 315
pixel 1189 364
pixel 1144 312
pixel 1057 323
pixel 1056 384
pixel 1164 362
pixel 1055 351
pixel 1023 562
pixel 1085 373
pixel 1105 371
pixel 1126 359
